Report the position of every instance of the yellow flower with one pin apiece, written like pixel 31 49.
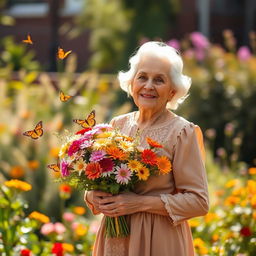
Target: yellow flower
pixel 164 164
pixel 199 244
pixel 17 172
pixel 210 217
pixel 193 223
pixel 126 145
pixel 39 216
pixel 231 183
pixel 18 184
pixel 254 215
pixel 63 150
pixel 239 192
pixel 81 230
pixel 143 173
pixel 107 134
pixel 252 170
pixel 79 210
pixel 101 143
pixel 68 247
pixel 215 237
pixel 33 164
pixel 134 165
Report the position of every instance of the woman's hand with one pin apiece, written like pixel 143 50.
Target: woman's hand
pixel 121 204
pixel 94 198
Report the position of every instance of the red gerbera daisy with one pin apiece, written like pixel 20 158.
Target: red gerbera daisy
pixel 84 130
pixel 93 170
pixel 149 157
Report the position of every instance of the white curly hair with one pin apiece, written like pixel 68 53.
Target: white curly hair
pixel 181 82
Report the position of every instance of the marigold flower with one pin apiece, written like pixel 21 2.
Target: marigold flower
pixel 116 153
pixel 253 201
pixel 193 223
pixel 81 230
pixel 164 165
pixel 252 171
pixel 39 216
pixel 153 143
pixel 79 210
pixel 231 183
pixel 33 164
pixel 93 170
pixel 232 200
pixel 68 247
pixel 251 187
pixel 143 173
pixel 17 172
pixel 18 184
pixel 149 157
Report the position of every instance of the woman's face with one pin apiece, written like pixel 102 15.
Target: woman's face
pixel 151 87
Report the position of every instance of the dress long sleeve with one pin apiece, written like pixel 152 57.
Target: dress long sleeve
pixel 191 197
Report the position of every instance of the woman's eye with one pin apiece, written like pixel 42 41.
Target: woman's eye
pixel 159 80
pixel 141 77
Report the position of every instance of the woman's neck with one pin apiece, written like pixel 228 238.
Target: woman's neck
pixel 147 118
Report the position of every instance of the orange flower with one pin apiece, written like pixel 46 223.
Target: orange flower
pixel 65 188
pixel 18 184
pixel 68 247
pixel 116 153
pixel 81 230
pixel 33 164
pixel 252 170
pixel 149 157
pixel 17 172
pixel 143 173
pixel 79 210
pixel 54 152
pixel 153 143
pixel 39 216
pixel 164 164
pixel 232 200
pixel 93 170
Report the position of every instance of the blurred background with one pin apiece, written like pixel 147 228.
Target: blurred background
pixel 217 41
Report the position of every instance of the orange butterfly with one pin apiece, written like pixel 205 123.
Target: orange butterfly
pixel 37 132
pixel 88 122
pixel 54 167
pixel 61 54
pixel 64 97
pixel 28 40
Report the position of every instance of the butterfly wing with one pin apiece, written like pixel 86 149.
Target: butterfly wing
pixel 88 122
pixel 91 119
pixel 53 167
pixel 36 133
pixel 28 40
pixel 64 97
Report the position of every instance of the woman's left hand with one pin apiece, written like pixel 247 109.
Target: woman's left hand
pixel 121 204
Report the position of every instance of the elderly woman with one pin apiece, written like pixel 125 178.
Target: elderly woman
pixel 158 209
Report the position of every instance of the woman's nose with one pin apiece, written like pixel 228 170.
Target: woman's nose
pixel 149 84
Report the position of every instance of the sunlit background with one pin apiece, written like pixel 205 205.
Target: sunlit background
pixel 217 40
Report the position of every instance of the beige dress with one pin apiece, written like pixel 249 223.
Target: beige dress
pixel 183 191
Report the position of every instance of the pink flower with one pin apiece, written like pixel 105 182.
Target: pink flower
pixel 68 216
pixel 244 53
pixel 59 228
pixel 103 127
pixel 47 228
pixel 86 144
pixel 123 174
pixel 97 155
pixel 64 168
pixel 94 227
pixel 74 147
pixel 174 43
pixel 199 40
pixel 74 225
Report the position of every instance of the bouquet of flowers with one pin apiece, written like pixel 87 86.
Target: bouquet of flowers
pixel 102 158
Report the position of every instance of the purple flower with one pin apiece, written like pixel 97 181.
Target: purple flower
pixel 199 40
pixel 98 155
pixel 244 53
pixel 174 43
pixel 64 168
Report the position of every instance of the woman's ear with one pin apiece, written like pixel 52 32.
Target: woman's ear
pixel 171 94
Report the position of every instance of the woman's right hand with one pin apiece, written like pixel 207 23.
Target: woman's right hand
pixel 94 198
